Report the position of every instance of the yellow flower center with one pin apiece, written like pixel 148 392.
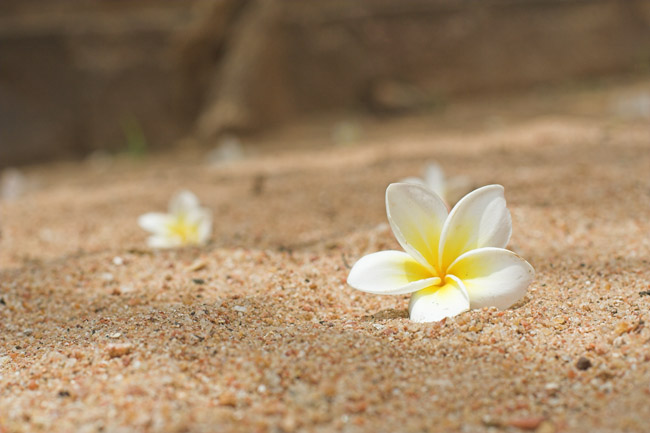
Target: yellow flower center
pixel 183 230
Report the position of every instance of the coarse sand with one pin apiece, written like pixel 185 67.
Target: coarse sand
pixel 258 331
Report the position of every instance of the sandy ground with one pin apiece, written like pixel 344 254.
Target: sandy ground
pixel 258 332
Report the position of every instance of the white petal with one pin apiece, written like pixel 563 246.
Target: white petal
pixel 161 241
pixel 183 202
pixel 155 222
pixel 435 303
pixel 435 179
pixel 416 216
pixel 390 273
pixel 493 276
pixel 205 226
pixel 480 219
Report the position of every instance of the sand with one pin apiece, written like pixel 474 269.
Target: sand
pixel 258 332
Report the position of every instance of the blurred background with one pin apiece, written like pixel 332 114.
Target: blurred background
pixel 81 77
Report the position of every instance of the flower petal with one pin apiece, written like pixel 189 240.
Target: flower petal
pixel 183 202
pixel 480 219
pixel 163 241
pixel 416 216
pixel 494 277
pixel 434 178
pixel 435 303
pixel 204 226
pixel 155 222
pixel 390 273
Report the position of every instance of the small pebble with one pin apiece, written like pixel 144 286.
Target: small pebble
pixel 583 363
pixel 239 308
pixel 126 289
pixel 622 327
pixel 228 399
pixel 546 427
pixel 552 386
pixel 117 350
pixel 197 265
pixel 490 421
pixel 559 320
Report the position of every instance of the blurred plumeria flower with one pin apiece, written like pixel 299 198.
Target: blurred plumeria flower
pixel 454 260
pixel 13 184
pixel 187 223
pixel 449 189
pixel 228 150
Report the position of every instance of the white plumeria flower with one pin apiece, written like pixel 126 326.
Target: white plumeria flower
pixel 449 189
pixel 454 260
pixel 187 223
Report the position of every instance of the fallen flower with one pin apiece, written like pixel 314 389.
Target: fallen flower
pixel 13 184
pixel 449 189
pixel 453 261
pixel 187 223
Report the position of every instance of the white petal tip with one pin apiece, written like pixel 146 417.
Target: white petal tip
pixel 428 314
pixel 434 304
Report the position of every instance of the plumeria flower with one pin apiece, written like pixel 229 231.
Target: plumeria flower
pixel 454 260
pixel 449 189
pixel 187 223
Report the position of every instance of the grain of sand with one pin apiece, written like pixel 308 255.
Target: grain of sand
pixel 258 332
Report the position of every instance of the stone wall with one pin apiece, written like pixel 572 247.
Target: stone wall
pixel 343 53
pixel 77 76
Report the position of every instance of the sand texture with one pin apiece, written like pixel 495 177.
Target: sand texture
pixel 258 331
